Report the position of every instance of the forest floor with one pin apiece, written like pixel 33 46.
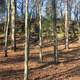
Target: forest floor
pixel 12 67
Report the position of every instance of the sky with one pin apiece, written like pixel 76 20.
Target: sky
pixel 43 8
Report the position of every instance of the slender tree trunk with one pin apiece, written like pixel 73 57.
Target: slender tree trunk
pixel 66 26
pixel 6 28
pixel 22 8
pixel 78 30
pixel 13 24
pixel 15 3
pixel 55 32
pixel 26 43
pixel 40 31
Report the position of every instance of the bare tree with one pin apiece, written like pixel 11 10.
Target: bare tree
pixel 13 24
pixel 40 32
pixel 55 32
pixel 6 28
pixel 66 25
pixel 26 43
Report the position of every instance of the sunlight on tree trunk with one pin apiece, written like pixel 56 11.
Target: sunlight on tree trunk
pixel 26 43
pixel 66 25
pixel 40 31
pixel 6 28
pixel 13 24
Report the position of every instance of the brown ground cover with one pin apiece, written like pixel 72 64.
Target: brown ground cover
pixel 12 68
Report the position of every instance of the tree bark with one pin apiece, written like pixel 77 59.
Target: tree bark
pixel 66 26
pixel 55 32
pixel 13 24
pixel 26 43
pixel 6 28
pixel 40 31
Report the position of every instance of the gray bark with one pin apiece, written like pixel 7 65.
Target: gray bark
pixel 13 24
pixel 40 32
pixel 26 43
pixel 6 28
pixel 55 32
pixel 66 26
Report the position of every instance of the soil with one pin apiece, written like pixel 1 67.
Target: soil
pixel 68 68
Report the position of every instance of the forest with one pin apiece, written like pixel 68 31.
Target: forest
pixel 39 39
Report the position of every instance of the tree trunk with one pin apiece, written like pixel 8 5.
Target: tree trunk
pixel 78 31
pixel 15 3
pixel 40 31
pixel 26 43
pixel 55 32
pixel 13 24
pixel 6 28
pixel 66 25
pixel 22 8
